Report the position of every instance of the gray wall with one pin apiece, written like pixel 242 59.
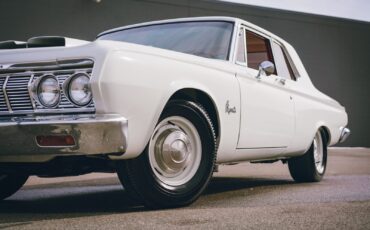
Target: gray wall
pixel 336 52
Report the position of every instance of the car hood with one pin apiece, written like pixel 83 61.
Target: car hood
pixel 42 54
pixel 82 49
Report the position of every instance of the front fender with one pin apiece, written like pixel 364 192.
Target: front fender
pixel 138 85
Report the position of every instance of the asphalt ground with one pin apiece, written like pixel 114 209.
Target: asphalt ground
pixel 243 196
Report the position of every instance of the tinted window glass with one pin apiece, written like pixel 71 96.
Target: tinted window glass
pixel 291 72
pixel 258 50
pixel 210 39
pixel 282 64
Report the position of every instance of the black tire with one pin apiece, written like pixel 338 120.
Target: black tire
pixel 303 168
pixel 138 175
pixel 10 184
pixel 127 182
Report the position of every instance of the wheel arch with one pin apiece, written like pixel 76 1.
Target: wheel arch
pixel 202 98
pixel 325 130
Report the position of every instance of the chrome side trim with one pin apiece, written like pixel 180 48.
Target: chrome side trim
pixel 345 132
pixel 48 111
pixel 51 65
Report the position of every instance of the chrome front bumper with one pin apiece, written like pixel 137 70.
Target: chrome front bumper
pixel 93 134
pixel 344 133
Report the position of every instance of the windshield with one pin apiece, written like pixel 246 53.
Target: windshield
pixel 210 39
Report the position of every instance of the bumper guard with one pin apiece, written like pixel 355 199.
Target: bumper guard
pixel 345 132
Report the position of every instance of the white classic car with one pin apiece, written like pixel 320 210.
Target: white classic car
pixel 162 104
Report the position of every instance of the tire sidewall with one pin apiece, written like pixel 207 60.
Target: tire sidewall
pixel 303 168
pixel 10 184
pixel 185 193
pixel 325 156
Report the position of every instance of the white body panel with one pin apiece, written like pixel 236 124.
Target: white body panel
pixel 156 85
pixel 137 81
pixel 267 117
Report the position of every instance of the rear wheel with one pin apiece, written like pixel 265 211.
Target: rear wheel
pixel 178 161
pixel 10 184
pixel 311 166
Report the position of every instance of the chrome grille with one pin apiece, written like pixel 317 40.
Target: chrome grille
pixel 16 82
pixel 17 93
pixel 3 105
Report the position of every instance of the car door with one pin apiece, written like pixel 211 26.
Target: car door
pixel 267 108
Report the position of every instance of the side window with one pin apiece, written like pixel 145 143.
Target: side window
pixel 240 52
pixel 284 69
pixel 258 50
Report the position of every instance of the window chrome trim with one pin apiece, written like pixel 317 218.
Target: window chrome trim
pixel 233 44
pixel 277 59
pixel 290 60
pixel 271 40
pixel 241 29
pixel 249 29
pixel 256 32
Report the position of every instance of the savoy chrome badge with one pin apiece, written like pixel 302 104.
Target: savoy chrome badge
pixel 229 110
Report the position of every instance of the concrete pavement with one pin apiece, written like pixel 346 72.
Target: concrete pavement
pixel 244 196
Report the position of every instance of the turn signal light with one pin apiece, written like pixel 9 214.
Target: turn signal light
pixel 55 140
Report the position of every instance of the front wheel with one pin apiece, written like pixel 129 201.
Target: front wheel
pixel 311 166
pixel 10 184
pixel 178 161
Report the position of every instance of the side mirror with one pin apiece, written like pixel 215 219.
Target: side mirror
pixel 266 68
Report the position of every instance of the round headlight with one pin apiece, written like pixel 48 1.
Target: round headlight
pixel 48 91
pixel 79 90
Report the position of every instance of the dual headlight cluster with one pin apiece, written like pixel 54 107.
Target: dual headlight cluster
pixel 76 88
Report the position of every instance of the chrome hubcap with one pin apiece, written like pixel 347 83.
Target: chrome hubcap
pixel 318 153
pixel 172 150
pixel 175 151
